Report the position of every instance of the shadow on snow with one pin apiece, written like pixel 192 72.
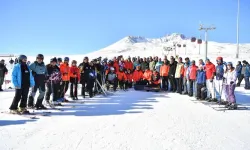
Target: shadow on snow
pixel 14 122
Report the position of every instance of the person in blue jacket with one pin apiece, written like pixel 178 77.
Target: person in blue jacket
pixel 247 75
pixel 22 79
pixel 201 82
pixel 238 70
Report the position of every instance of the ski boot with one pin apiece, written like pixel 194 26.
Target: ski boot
pixel 41 107
pixel 15 111
pixel 233 106
pixel 31 102
pixel 213 100
pixel 23 111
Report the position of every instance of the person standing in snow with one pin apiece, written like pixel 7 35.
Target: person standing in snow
pixel 210 73
pixel 65 69
pixel 122 79
pixel 201 83
pixel 74 79
pixel 3 72
pixel 158 65
pixel 243 69
pixel 230 77
pixel 171 75
pixel 22 79
pixel 130 78
pixel 111 79
pixel 53 82
pixel 144 64
pixel 192 73
pixel 92 75
pixel 138 76
pixel 218 82
pixel 40 73
pixel 164 74
pixel 179 75
pixel 84 68
pixel 147 75
pixel 185 76
pixel 247 75
pixel 152 64
pixel 238 70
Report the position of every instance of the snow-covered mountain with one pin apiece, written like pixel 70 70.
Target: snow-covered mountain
pixel 141 46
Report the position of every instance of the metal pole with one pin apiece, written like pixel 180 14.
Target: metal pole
pixel 205 55
pixel 238 15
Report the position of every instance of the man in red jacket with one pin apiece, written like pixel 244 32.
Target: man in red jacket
pixel 210 73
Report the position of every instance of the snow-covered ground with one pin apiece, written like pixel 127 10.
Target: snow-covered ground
pixel 130 120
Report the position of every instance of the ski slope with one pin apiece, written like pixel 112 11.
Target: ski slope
pixel 130 120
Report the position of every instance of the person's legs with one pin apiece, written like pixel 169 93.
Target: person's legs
pixel 16 99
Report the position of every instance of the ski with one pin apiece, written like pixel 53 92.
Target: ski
pixel 30 115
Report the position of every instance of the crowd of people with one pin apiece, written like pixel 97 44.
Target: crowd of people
pixel 204 80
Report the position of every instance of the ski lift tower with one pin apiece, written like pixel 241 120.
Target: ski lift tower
pixel 206 29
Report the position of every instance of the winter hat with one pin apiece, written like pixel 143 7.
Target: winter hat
pixel 230 64
pixel 66 58
pixel 53 60
pixel 112 68
pixel 74 62
pixel 59 59
pixel 244 62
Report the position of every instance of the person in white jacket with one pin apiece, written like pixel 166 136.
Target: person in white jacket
pixel 230 77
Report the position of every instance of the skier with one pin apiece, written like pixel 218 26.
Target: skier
pixel 138 76
pixel 3 72
pixel 210 73
pixel 218 82
pixel 179 75
pixel 238 70
pixel 22 79
pixel 84 68
pixel 171 75
pixel 65 70
pixel 99 70
pixel 40 73
pixel 122 79
pixel 164 74
pixel 201 83
pixel 53 82
pixel 91 76
pixel 247 75
pixel 191 77
pixel 147 76
pixel 130 78
pixel 74 79
pixel 111 79
pixel 185 75
pixel 243 69
pixel 230 77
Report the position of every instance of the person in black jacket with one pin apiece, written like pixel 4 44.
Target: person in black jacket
pixel 53 82
pixel 85 69
pixel 98 69
pixel 3 71
pixel 171 75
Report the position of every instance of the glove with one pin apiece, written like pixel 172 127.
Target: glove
pixel 231 82
pixel 211 80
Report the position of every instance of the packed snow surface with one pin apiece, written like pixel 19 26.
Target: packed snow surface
pixel 132 120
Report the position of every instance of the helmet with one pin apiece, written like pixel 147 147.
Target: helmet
pixel 53 60
pixel 21 57
pixel 74 62
pixel 112 68
pixel 59 59
pixel 66 58
pixel 39 56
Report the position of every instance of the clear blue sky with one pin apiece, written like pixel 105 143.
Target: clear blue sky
pixel 82 26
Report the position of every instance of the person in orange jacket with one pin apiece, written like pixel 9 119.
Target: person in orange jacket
pixel 130 79
pixel 192 73
pixel 74 73
pixel 155 79
pixel 164 74
pixel 138 76
pixel 128 64
pixel 64 69
pixel 122 79
pixel 147 76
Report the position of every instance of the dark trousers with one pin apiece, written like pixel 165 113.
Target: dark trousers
pixel 41 87
pixel 20 94
pixel 199 92
pixel 54 89
pixel 191 87
pixel 240 78
pixel 73 87
pixel 172 83
pixel 123 84
pixel 179 84
pixel 247 84
pixel 165 83
pixel 64 88
pixel 129 85
pixel 114 83
pixel 90 86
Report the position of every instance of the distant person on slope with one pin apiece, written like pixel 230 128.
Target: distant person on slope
pixel 40 73
pixel 230 78
pixel 3 72
pixel 22 79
